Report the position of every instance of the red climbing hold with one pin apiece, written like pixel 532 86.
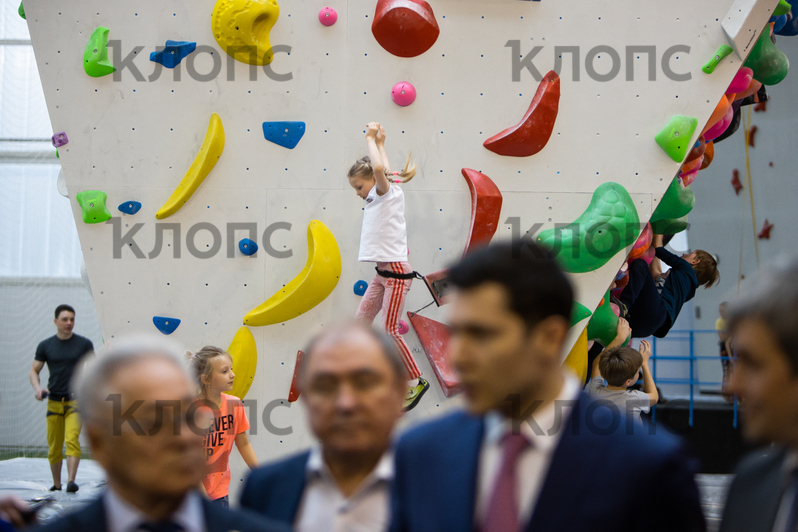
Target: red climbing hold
pixel 405 28
pixel 434 338
pixel 761 107
pixel 764 234
pixel 751 133
pixel 533 132
pixel 697 151
pixel 738 186
pixel 293 394
pixel 486 207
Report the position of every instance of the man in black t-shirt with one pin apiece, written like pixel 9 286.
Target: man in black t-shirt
pixel 62 353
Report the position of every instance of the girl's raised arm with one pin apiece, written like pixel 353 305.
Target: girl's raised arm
pixel 377 162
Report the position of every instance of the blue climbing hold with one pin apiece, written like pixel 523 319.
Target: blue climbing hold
pixel 779 22
pixel 165 325
pixel 130 207
pixel 248 247
pixel 173 53
pixel 790 27
pixel 285 134
pixel 360 287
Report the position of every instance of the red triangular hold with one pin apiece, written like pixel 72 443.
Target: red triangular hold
pixel 434 338
pixel 486 208
pixel 764 234
pixel 293 394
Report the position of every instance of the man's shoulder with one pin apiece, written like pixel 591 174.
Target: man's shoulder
pixel 295 464
pixel 757 462
pixel 89 517
pixel 83 340
pixel 441 430
pixel 44 344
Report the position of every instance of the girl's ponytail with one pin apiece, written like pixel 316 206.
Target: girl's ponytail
pixel 408 173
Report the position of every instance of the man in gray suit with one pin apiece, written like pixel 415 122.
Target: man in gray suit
pixel 764 325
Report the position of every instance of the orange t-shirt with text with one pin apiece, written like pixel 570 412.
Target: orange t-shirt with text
pixel 228 422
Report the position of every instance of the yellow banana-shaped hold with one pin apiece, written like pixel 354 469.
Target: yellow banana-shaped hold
pixel 242 27
pixel 211 150
pixel 244 353
pixel 312 286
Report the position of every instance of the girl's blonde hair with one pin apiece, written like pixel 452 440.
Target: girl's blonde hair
pixel 201 363
pixel 362 168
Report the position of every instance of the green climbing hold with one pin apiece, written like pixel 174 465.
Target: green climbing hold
pixel 675 137
pixel 782 9
pixel 609 224
pixel 603 325
pixel 57 155
pixel 669 226
pixel 93 204
pixel 723 51
pixel 21 11
pixel 579 313
pixel 769 64
pixel 678 201
pixel 95 58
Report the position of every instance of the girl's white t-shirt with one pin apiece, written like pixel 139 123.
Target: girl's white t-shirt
pixel 383 237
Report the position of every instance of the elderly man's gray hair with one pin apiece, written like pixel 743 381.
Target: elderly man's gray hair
pixel 91 383
pixel 773 300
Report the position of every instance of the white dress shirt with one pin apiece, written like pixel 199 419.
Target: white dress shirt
pixel 121 516
pixel 533 464
pixel 325 509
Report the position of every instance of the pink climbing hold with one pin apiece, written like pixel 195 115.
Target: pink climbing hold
pixel 403 93
pixel 403 327
pixel 741 81
pixel 721 125
pixel 60 139
pixel 328 16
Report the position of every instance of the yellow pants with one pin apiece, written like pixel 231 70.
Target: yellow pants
pixel 63 423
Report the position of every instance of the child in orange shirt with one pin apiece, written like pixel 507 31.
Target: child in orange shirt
pixel 213 369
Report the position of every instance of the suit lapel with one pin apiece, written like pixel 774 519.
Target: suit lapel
pixel 288 495
pixel 462 467
pixel 559 487
pixel 764 499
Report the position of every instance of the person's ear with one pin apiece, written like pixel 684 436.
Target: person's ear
pixel 549 335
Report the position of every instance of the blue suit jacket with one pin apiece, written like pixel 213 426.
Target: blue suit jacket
pixel 598 480
pixel 275 490
pixel 92 518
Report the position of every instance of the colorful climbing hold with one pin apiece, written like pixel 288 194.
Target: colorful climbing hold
pixel 60 139
pixel 165 325
pixel 95 57
pixel 244 353
pixel 640 247
pixel 675 137
pixel 709 154
pixel 314 283
pixel 723 51
pixel 204 162
pixel 603 325
pixel 532 134
pixel 328 16
pixel 434 338
pixel 405 28
pixel 21 11
pixel 486 208
pixel 404 328
pixel 764 233
pixel 576 361
pixel 403 93
pixel 173 53
pixel 247 247
pixel 130 207
pixel 769 64
pixel 361 287
pixel 736 183
pixel 293 393
pixel 608 225
pixel 92 202
pixel 752 136
pixel 678 201
pixel 779 23
pixel 782 8
pixel 579 313
pixel 285 134
pixel 669 227
pixel 721 125
pixel 242 27
pixel 741 80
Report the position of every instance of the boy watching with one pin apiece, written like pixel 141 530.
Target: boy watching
pixel 620 366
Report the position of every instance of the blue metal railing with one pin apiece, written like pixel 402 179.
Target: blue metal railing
pixel 692 381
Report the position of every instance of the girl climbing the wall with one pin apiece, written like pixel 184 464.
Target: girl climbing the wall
pixel 213 369
pixel 383 239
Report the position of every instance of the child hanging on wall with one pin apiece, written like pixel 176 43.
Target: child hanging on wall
pixel 652 300
pixel 383 239
pixel 213 369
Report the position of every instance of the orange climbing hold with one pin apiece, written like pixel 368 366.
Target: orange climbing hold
pixel 405 28
pixel 434 338
pixel 709 154
pixel 486 207
pixel 533 132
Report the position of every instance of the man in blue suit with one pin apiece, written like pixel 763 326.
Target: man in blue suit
pixel 352 381
pixel 139 407
pixel 532 452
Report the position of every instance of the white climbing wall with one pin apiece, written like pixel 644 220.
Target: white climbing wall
pixel 135 140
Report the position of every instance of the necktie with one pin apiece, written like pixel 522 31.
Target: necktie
pixel 161 526
pixel 502 514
